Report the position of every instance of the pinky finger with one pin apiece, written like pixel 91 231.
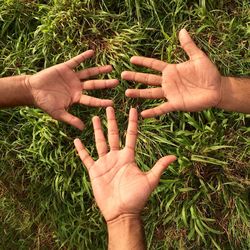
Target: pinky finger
pixel 159 110
pixel 84 155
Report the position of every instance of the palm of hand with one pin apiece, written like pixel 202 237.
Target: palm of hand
pixel 119 186
pixel 191 86
pixel 55 89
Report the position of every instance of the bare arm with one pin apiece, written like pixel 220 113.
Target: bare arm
pixel 191 86
pixel 235 94
pixel 120 188
pixel 57 88
pixel 14 92
pixel 126 232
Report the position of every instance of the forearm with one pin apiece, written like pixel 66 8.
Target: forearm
pixel 235 94
pixel 126 232
pixel 14 92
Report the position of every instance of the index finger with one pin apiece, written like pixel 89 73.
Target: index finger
pixel 148 62
pixel 75 61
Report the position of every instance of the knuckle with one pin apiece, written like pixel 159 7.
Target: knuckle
pixel 132 132
pixel 88 73
pixel 102 154
pixel 130 147
pixel 101 141
pixel 113 132
pixel 114 148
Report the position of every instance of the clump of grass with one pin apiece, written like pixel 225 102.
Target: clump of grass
pixel 202 201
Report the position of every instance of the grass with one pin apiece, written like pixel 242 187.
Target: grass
pixel 203 200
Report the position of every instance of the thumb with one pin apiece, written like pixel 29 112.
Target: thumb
pixel 155 173
pixel 64 116
pixel 188 45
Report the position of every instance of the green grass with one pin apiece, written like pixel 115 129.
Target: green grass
pixel 203 200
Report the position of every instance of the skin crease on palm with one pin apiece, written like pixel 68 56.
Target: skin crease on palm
pixel 189 86
pixel 119 186
pixel 55 89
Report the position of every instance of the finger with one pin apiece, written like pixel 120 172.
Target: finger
pixel 160 110
pixel 101 144
pixel 155 173
pixel 75 61
pixel 188 45
pixel 113 133
pixel 83 153
pixel 132 129
pixel 64 116
pixel 99 84
pixel 149 79
pixel 148 62
pixel 155 93
pixel 87 73
pixel 95 102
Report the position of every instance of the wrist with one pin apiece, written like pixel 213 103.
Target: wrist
pixel 235 94
pixel 126 232
pixel 16 90
pixel 28 90
pixel 123 219
pixel 220 92
pixel 225 92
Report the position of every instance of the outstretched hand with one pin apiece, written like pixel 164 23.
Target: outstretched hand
pixel 190 86
pixel 119 186
pixel 55 89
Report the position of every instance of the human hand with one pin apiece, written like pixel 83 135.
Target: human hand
pixel 55 89
pixel 193 85
pixel 119 186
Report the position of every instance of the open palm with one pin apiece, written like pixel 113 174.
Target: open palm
pixel 55 89
pixel 119 186
pixel 190 86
